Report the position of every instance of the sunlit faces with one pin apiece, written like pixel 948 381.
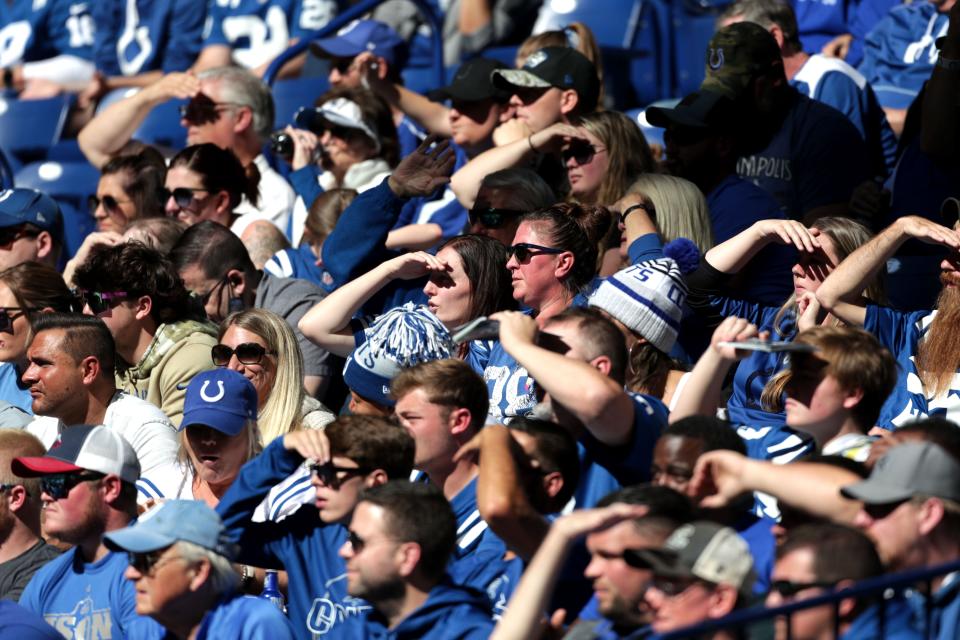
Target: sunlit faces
pixel 896 529
pixel 13 343
pixel 538 108
pixel 816 403
pixel 56 381
pixel 806 624
pixel 449 294
pixel 216 456
pixel 215 294
pixel 674 458
pixel 472 122
pixel 344 74
pixel 230 122
pixel 618 587
pixel 692 602
pixel 262 374
pixel 336 503
pixel 203 204
pixel 534 280
pixel 586 164
pixel 113 208
pixel 75 516
pixel 813 268
pixel 163 589
pixel 429 424
pixel 371 555
pixel 344 147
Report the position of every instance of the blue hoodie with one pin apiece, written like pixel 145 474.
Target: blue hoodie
pixel 449 613
pixel 897 623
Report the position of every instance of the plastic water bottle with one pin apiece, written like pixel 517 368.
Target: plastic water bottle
pixel 271 591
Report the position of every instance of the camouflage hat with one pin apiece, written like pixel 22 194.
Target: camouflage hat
pixel 737 54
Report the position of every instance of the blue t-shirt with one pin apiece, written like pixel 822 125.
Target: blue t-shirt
pixel 819 21
pixel 12 389
pixel 136 36
pixel 899 53
pixel 305 547
pixel 835 83
pixel 258 30
pixel 41 29
pixel 816 158
pixel 83 600
pixel 236 617
pixel 901 333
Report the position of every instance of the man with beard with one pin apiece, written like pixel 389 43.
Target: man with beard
pixel 925 343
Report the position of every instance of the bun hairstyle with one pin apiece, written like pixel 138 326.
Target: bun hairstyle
pixel 577 228
pixel 221 170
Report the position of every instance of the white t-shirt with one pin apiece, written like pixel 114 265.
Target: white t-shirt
pixel 276 200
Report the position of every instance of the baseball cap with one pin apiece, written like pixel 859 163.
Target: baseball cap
pixel 704 550
pixel 173 521
pixel 704 109
pixel 22 206
pixel 83 448
pixel 908 470
pixel 339 112
pixel 738 53
pixel 359 36
pixel 560 67
pixel 221 399
pixel 473 82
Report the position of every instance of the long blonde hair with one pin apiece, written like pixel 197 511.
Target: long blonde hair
pixel 281 413
pixel 628 153
pixel 679 208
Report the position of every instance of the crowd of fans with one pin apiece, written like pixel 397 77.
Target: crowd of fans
pixel 484 363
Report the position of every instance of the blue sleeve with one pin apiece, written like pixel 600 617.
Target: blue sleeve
pixel 840 92
pixel 445 211
pixel 630 464
pixel 868 14
pixel 261 620
pixel 107 16
pixel 186 35
pixel 891 327
pixel 356 243
pixel 305 184
pixel 646 247
pixel 213 27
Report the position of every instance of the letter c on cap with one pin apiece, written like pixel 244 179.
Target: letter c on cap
pixel 216 398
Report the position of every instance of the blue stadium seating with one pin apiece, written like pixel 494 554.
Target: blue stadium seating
pixel 290 95
pixel 29 127
pixel 71 184
pixel 162 126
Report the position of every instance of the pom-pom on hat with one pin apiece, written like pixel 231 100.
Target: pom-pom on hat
pixel 648 298
pixel 402 337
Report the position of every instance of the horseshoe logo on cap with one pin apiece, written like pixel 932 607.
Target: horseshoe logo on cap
pixel 216 398
pixel 716 58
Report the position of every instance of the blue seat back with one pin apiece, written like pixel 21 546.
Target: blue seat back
pixel 696 21
pixel 29 127
pixel 162 126
pixel 290 95
pixel 71 184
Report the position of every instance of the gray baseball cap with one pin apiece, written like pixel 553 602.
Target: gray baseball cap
pixel 704 550
pixel 908 470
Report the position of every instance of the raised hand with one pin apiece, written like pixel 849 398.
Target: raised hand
pixel 173 85
pixel 515 328
pixel 717 477
pixel 424 170
pixel 733 330
pixel 414 265
pixel 553 138
pixel 789 232
pixel 312 444
pixel 305 145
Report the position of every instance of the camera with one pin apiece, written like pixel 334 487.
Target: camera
pixel 281 144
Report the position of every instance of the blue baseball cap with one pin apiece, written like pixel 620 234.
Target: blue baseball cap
pixel 359 36
pixel 221 399
pixel 22 206
pixel 170 522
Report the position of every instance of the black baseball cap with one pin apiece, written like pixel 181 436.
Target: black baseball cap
pixel 704 109
pixel 560 67
pixel 473 82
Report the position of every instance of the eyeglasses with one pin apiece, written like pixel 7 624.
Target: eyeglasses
pixel 205 298
pixel 582 152
pixel 523 251
pixel 359 544
pixel 333 476
pixel 148 563
pixel 247 353
pixel 342 65
pixel 7 318
pixel 183 196
pixel 59 485
pixel 9 235
pixel 7 487
pixel 203 110
pixel 110 204
pixel 789 589
pixel 100 301
pixel 492 217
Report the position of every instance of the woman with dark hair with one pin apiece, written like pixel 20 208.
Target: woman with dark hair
pixel 464 280
pixel 25 290
pixel 205 182
pixel 130 187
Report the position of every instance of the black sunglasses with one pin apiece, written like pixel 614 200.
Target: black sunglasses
pixel 100 301
pixel 581 151
pixel 59 485
pixel 247 353
pixel 492 217
pixel 523 251
pixel 342 65
pixel 203 110
pixel 109 203
pixel 183 196
pixel 333 476
pixel 9 235
pixel 789 589
pixel 7 318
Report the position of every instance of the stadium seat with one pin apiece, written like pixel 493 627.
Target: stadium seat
pixel 162 126
pixel 29 127
pixel 290 95
pixel 71 184
pixel 696 20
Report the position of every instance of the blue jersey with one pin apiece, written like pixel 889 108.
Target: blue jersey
pixel 83 600
pixel 136 36
pixel 835 83
pixel 819 21
pixel 41 29
pixel 259 30
pixel 899 53
pixel 449 613
pixel 304 546
pixel 902 333
pixel 511 390
pixel 776 443
pixel 295 263
pixel 12 389
pixel 864 19
pixel 235 617
pixel 801 166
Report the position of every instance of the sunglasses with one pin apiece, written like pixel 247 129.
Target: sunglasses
pixel 183 196
pixel 788 589
pixel 582 152
pixel 492 217
pixel 100 301
pixel 342 65
pixel 9 314
pixel 333 476
pixel 109 203
pixel 147 563
pixel 674 586
pixel 59 485
pixel 247 353
pixel 9 235
pixel 523 251
pixel 203 110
